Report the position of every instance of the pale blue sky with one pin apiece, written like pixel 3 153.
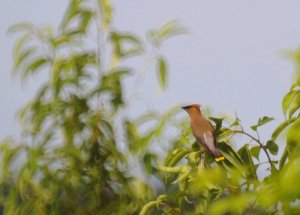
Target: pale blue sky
pixel 230 60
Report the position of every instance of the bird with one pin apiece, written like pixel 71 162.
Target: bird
pixel 203 130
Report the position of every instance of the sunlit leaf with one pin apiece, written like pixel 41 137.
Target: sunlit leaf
pixel 247 159
pixel 262 121
pixel 169 29
pixel 175 156
pixel 255 151
pixel 281 127
pixel 272 147
pixel 162 72
pixel 106 9
pixel 34 66
pixel 24 26
pixel 290 103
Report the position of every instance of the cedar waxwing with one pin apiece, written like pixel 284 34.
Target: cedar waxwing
pixel 203 130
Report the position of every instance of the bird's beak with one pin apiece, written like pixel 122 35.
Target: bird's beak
pixel 184 108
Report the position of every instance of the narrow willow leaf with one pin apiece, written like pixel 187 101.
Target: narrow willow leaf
pixel 20 44
pixel 34 66
pixel 224 134
pixel 283 158
pixel 70 14
pixel 176 169
pixel 162 72
pixel 262 121
pixel 170 29
pixel 175 156
pixel 148 160
pixel 24 26
pixel 167 30
pixel 22 57
pixel 85 19
pixel 247 158
pixel 230 154
pixel 295 105
pixel 146 208
pixel 125 45
pixel 281 127
pixel 107 11
pixel 288 100
pixel 293 139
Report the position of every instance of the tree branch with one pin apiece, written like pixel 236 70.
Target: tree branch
pixel 259 143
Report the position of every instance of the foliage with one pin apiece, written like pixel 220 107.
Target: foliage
pixel 82 154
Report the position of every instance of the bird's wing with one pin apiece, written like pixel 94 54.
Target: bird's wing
pixel 208 140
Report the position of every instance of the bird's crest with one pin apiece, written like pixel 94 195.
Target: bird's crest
pixel 191 106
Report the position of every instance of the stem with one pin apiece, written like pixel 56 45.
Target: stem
pixel 259 143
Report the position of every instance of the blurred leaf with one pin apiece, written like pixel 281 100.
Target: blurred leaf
pixel 175 156
pixel 23 56
pixel 148 159
pixel 176 169
pixel 288 100
pixel 224 133
pixel 282 126
pixel 273 147
pixel 218 122
pixel 283 158
pixel 230 155
pixel 145 210
pixel 124 45
pixel 162 72
pixel 106 9
pixel 293 139
pixel 24 26
pixel 34 66
pixel 236 122
pixel 246 157
pixel 169 29
pixel 262 121
pixel 226 206
pixel 255 151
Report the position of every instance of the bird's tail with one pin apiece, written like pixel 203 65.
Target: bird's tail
pixel 218 156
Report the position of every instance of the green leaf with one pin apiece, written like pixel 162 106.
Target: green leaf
pixel 106 9
pixel 167 30
pixel 175 156
pixel 293 139
pixel 295 105
pixel 218 122
pixel 162 72
pixel 148 159
pixel 283 158
pixel 230 154
pixel 34 66
pixel 262 121
pixel 281 127
pixel 24 26
pixel 288 100
pixel 124 45
pixel 22 56
pixel 247 158
pixel 224 133
pixel 254 151
pixel 146 208
pixel 273 147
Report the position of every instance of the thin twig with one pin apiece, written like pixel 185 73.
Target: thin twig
pixel 258 141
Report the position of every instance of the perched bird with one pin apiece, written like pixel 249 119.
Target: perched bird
pixel 203 130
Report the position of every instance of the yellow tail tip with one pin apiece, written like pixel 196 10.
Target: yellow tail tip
pixel 218 159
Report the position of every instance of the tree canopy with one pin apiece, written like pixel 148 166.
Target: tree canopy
pixel 82 154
